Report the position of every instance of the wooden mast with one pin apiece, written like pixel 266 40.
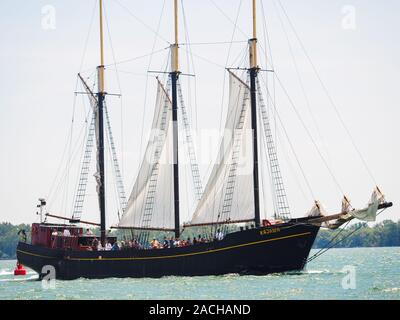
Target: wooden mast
pixel 253 70
pixel 174 74
pixel 100 123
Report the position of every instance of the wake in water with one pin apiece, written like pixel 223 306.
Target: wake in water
pixel 6 273
pixel 321 280
pixel 387 290
pixel 311 272
pixel 34 277
pixel 391 290
pixel 324 271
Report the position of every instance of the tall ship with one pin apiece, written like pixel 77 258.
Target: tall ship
pixel 231 235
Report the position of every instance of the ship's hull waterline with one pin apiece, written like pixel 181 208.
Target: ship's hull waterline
pixel 256 251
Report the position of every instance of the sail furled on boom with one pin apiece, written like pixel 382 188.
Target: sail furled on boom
pixel 97 174
pixel 150 205
pixel 228 195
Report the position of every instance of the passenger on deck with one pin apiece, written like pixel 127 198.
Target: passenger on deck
pixel 54 233
pixel 115 246
pixel 200 239
pixel 165 243
pixel 219 235
pixel 194 240
pixel 95 243
pixel 186 243
pixel 171 242
pixel 66 233
pixel 154 244
pixel 108 246
pixel 22 235
pixel 89 232
pixel 100 247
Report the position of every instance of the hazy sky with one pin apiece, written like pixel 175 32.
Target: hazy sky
pixel 353 44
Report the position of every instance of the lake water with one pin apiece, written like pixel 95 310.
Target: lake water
pixel 360 273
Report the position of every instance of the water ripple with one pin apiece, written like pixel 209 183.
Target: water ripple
pixel 377 277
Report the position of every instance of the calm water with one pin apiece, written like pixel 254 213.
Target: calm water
pixel 377 276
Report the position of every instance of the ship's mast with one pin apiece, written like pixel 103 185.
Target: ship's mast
pixel 253 70
pixel 100 143
pixel 174 74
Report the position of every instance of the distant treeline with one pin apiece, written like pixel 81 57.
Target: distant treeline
pixel 384 234
pixel 9 238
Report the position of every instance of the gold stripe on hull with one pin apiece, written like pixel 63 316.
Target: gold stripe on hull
pixel 175 256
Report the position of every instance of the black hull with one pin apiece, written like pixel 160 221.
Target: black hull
pixel 257 251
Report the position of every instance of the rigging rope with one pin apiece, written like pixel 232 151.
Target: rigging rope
pixel 138 57
pixel 227 61
pixel 72 155
pixel 67 144
pixel 88 35
pixel 207 60
pixel 282 205
pixel 211 43
pixel 310 135
pixel 302 86
pixel 119 89
pixel 196 180
pixel 333 104
pixel 230 176
pixel 292 147
pixel 323 250
pixel 189 57
pixel 156 32
pixel 229 19
pixel 120 190
pixel 114 158
pixel 147 81
pixel 266 39
pixel 84 172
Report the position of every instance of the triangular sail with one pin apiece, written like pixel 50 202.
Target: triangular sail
pixel 150 205
pixel 228 195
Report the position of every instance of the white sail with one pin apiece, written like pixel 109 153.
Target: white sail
pixel 228 195
pixel 368 214
pixel 150 204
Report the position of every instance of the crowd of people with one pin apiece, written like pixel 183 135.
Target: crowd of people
pixel 171 242
pixel 108 246
pixel 174 242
